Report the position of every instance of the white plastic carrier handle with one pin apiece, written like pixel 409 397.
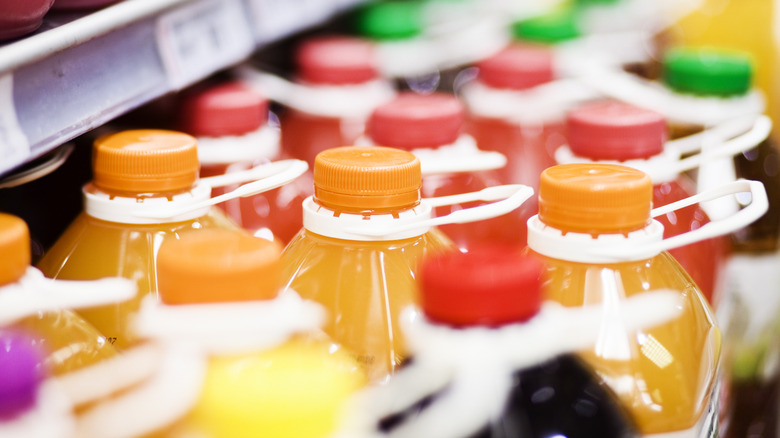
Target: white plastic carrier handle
pixel 264 177
pixel 758 128
pixel 759 205
pixel 35 293
pixel 484 160
pixel 503 199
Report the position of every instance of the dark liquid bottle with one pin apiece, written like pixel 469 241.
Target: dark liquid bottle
pixel 560 396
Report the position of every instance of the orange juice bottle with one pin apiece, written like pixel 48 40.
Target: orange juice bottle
pixel 134 172
pixel 259 367
pixel 666 375
pixel 364 282
pixel 230 122
pixel 615 132
pixel 337 87
pixel 36 305
pixel 431 127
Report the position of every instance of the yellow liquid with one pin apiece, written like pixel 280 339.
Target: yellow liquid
pixel 364 286
pixel 92 248
pixel 298 389
pixel 664 375
pixel 69 341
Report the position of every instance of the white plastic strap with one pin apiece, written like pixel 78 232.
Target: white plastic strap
pixel 477 363
pixel 35 293
pixel 273 175
pixel 233 327
pixel 503 199
pixel 758 206
pixel 676 107
pixel 51 417
pixel 168 395
pixel 338 101
pixel 461 156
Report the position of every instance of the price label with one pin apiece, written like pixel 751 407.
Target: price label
pixel 201 38
pixel 275 19
pixel 14 145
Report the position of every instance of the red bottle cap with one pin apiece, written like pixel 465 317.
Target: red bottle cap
pixel 412 121
pixel 611 130
pixel 517 67
pixel 489 286
pixel 223 110
pixel 336 61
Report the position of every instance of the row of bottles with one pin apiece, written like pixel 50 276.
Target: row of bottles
pixel 415 322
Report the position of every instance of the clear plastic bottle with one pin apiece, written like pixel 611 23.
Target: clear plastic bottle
pixel 340 85
pixel 259 367
pixel 66 340
pixel 364 282
pixel 487 340
pixel 615 132
pixel 665 375
pixel 230 122
pixel 135 173
pixel 431 127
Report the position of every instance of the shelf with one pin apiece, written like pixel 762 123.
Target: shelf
pixel 81 70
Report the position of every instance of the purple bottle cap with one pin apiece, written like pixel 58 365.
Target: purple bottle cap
pixel 21 372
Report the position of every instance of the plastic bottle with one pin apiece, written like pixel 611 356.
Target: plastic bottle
pixel 36 305
pixel 595 236
pixel 511 114
pixel 431 127
pixel 259 367
pixel 486 340
pixel 338 85
pixel 29 408
pixel 365 231
pixel 615 132
pixel 145 190
pixel 230 122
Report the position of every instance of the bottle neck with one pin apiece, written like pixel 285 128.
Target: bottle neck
pixel 128 208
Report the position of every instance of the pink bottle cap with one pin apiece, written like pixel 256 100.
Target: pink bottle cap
pixel 223 110
pixel 21 372
pixel 412 121
pixel 611 130
pixel 336 61
pixel 517 67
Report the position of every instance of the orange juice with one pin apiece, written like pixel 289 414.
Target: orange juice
pixel 363 282
pixel 134 171
pixel 666 375
pixel 67 341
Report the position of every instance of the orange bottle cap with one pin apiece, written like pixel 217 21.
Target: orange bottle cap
pixel 595 198
pixel 145 161
pixel 354 178
pixel 217 265
pixel 14 248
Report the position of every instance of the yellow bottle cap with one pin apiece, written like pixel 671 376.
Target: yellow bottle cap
pixel 354 178
pixel 145 161
pixel 217 265
pixel 296 390
pixel 595 198
pixel 14 248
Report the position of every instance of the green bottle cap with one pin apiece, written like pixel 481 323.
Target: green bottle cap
pixel 708 71
pixel 390 20
pixel 551 28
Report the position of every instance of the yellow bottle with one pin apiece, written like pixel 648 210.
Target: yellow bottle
pixel 363 281
pixel 241 358
pixel 69 341
pixel 134 172
pixel 665 375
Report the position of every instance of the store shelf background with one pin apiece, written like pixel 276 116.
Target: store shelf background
pixel 80 71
